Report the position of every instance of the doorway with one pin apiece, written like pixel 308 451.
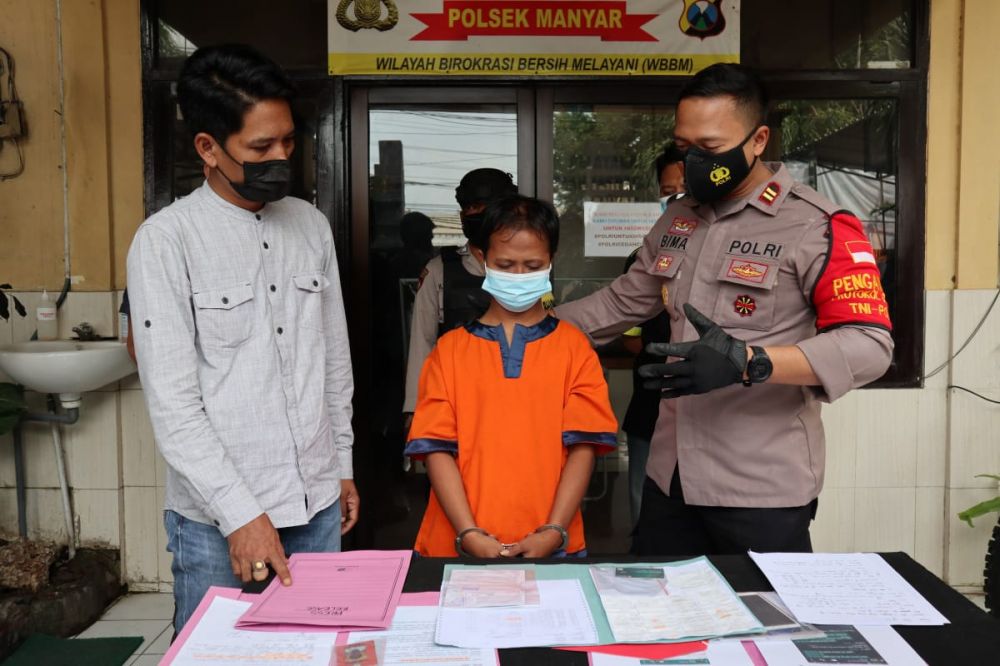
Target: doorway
pixel 409 147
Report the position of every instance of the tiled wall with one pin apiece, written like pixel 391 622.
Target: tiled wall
pixel 900 463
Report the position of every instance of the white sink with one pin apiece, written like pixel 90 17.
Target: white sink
pixel 66 367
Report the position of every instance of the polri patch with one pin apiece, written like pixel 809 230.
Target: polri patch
pixel 770 193
pixel 749 271
pixel 745 306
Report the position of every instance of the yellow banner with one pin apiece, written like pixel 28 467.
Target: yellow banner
pixel 531 37
pixel 522 64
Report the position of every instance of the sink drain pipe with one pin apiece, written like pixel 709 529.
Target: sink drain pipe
pixel 55 419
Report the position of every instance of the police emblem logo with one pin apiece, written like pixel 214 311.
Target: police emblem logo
pixel 682 227
pixel 663 263
pixel 745 305
pixel 750 271
pixel 367 14
pixel 719 175
pixel 702 18
pixel 770 193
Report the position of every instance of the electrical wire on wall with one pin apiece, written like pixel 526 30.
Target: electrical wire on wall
pixel 11 116
pixel 965 344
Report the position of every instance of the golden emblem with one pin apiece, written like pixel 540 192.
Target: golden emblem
pixel 747 271
pixel 367 14
pixel 719 175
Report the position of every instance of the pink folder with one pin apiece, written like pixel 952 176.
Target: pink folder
pixel 357 590
pixel 415 599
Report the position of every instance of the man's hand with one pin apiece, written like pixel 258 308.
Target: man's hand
pixel 257 541
pixel 537 544
pixel 350 504
pixel 714 361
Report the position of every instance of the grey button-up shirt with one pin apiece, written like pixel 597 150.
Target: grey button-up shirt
pixel 243 353
pixel 762 268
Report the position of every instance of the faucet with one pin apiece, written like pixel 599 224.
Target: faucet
pixel 85 332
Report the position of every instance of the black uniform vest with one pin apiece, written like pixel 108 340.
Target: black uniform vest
pixel 463 297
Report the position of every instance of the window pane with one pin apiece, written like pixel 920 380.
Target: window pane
pixel 602 154
pixel 847 151
pixel 827 34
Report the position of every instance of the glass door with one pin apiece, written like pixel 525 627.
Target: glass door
pixel 410 148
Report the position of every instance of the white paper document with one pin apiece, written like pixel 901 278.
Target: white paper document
pixel 845 588
pixel 216 640
pixel 488 587
pixel 562 618
pixel 871 645
pixel 689 600
pixel 410 640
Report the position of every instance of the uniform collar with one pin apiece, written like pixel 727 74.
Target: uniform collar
pixel 228 209
pixel 512 353
pixel 766 198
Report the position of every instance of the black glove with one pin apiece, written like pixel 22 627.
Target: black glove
pixel 716 360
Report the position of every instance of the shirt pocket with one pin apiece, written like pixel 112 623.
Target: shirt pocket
pixel 747 295
pixel 224 316
pixel 309 289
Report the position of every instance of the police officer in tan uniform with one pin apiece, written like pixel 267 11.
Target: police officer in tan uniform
pixel 450 292
pixel 776 306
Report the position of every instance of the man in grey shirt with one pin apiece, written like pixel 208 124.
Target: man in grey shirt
pixel 241 342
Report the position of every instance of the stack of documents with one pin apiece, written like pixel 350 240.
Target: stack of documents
pixel 673 602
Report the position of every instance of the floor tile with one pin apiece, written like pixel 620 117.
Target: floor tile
pixel 150 630
pixel 145 660
pixel 162 642
pixel 142 606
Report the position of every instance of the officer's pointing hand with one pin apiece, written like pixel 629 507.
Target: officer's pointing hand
pixel 714 361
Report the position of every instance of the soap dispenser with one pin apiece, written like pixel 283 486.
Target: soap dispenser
pixel 48 318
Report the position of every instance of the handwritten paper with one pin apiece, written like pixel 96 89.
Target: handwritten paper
pixel 561 618
pixel 353 589
pixel 216 640
pixel 845 588
pixel 410 640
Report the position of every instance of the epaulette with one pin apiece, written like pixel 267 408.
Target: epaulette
pixel 811 196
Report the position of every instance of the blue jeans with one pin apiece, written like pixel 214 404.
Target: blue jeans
pixel 201 554
pixel 638 454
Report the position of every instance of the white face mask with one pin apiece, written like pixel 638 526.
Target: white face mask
pixel 517 292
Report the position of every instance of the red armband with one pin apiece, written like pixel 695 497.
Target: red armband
pixel 849 290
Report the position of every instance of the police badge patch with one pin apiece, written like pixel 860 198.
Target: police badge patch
pixel 368 14
pixel 702 18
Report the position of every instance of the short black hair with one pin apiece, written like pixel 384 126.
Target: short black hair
pixel 516 212
pixel 731 80
pixel 481 186
pixel 671 154
pixel 218 84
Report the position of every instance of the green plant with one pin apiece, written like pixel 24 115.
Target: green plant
pixel 12 406
pixel 982 508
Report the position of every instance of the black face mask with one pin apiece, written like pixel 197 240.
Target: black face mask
pixel 263 182
pixel 712 176
pixel 471 224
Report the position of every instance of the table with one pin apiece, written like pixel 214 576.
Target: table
pixel 972 638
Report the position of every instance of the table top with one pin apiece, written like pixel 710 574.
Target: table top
pixel 973 637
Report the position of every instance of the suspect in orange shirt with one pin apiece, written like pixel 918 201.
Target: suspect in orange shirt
pixel 511 409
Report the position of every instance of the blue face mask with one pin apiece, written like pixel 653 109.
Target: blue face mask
pixel 517 292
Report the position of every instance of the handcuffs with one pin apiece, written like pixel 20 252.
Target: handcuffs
pixel 505 547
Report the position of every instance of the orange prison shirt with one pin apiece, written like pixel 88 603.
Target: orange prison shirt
pixel 509 412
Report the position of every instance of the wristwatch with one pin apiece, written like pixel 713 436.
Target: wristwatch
pixel 759 367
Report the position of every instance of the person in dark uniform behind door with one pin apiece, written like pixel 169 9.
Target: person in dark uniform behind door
pixel 450 291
